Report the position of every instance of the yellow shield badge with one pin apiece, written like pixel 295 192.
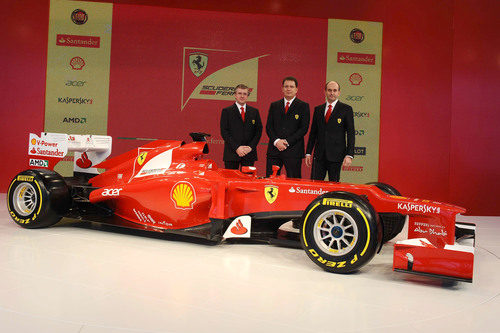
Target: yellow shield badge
pixel 141 158
pixel 271 193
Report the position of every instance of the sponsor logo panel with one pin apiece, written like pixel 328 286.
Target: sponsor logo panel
pixel 418 208
pixel 183 195
pixel 353 168
pixel 39 163
pixel 300 190
pixel 355 79
pixel 360 132
pixel 74 83
pixel 361 114
pixel 50 148
pixel 74 120
pixel 78 41
pixel 111 192
pixel 79 16
pixel 356 58
pixel 77 63
pixel 271 193
pixel 354 98
pixel 357 35
pixel 75 100
pixel 360 151
pixel 23 178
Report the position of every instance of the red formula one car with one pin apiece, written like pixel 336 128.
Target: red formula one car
pixel 170 186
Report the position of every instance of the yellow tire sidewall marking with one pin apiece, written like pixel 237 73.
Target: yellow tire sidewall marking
pixel 367 231
pixel 305 222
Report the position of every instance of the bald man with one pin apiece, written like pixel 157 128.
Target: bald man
pixel 332 136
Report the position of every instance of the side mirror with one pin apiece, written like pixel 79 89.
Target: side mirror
pixel 275 171
pixel 249 170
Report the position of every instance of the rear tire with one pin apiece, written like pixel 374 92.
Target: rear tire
pixel 340 232
pixel 393 223
pixel 38 198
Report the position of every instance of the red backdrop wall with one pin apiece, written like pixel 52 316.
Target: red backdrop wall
pixel 440 72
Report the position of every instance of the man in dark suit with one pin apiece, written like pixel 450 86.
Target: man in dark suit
pixel 241 128
pixel 287 123
pixel 332 122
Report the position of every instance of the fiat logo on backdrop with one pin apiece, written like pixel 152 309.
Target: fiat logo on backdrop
pixel 77 63
pixel 357 35
pixel 79 16
pixel 355 79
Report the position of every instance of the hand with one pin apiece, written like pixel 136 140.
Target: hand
pixel 247 149
pixel 241 151
pixel 309 161
pixel 347 161
pixel 281 144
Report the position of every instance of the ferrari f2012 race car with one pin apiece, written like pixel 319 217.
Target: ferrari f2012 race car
pixel 171 186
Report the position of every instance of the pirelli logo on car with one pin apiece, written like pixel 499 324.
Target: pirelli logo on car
pixel 25 178
pixel 337 202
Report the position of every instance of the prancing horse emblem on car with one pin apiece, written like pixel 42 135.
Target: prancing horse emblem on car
pixel 271 193
pixel 198 63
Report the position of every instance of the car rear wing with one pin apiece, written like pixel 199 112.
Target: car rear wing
pixel 48 149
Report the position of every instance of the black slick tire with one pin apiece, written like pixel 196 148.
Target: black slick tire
pixel 393 223
pixel 340 232
pixel 38 198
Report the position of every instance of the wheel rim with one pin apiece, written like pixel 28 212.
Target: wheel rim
pixel 25 199
pixel 335 232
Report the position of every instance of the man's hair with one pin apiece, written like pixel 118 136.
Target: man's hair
pixel 326 85
pixel 290 78
pixel 241 86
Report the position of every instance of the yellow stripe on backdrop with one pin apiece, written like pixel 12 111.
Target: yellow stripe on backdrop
pixel 355 62
pixel 78 64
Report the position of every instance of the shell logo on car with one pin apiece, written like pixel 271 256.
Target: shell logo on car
pixel 183 195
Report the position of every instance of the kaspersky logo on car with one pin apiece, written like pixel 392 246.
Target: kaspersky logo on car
pixel 183 195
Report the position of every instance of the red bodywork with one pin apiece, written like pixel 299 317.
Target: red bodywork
pixel 169 185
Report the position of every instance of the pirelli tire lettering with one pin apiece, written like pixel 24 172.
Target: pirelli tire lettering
pixel 38 198
pixel 340 232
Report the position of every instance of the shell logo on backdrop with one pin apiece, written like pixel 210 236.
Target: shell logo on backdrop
pixel 183 195
pixel 212 74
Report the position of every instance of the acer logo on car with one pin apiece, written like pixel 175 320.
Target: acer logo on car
pixel 111 192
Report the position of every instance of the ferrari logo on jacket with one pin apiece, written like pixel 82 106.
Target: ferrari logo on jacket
pixel 271 193
pixel 141 158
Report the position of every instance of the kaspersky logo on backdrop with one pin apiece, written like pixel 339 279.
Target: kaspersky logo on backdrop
pixel 212 74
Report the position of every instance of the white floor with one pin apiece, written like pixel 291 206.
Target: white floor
pixel 72 279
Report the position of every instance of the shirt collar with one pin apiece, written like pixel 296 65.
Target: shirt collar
pixel 333 104
pixel 290 101
pixel 240 106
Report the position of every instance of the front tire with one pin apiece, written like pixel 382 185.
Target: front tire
pixel 38 198
pixel 340 232
pixel 393 223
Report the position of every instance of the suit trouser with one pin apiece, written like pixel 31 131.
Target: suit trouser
pixel 236 164
pixel 293 166
pixel 321 166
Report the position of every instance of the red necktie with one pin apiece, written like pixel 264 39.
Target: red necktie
pixel 328 113
pixel 287 106
pixel 243 113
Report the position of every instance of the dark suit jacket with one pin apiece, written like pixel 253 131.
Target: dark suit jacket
pixel 237 133
pixel 330 138
pixel 291 126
